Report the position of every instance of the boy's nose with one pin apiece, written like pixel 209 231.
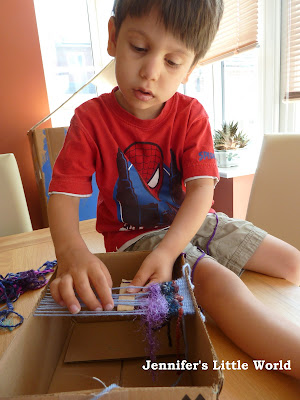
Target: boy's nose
pixel 150 69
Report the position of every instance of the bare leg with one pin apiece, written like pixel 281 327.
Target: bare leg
pixel 276 258
pixel 251 325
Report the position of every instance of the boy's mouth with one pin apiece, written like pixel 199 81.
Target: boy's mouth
pixel 143 94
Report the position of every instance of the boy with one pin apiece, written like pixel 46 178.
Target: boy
pixel 145 140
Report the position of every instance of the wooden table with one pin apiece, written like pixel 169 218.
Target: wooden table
pixel 30 250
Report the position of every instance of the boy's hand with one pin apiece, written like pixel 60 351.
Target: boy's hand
pixel 157 267
pixel 80 270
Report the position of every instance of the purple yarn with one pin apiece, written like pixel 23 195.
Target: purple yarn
pixel 207 248
pixel 213 234
pixel 157 306
pixel 154 314
pixel 13 285
pixel 196 263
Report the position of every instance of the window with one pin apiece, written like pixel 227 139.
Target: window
pixel 277 115
pixel 73 39
pixel 289 109
pixel 251 87
pixel 229 91
pixel 227 83
pixel 248 87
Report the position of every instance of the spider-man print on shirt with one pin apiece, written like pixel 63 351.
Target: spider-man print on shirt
pixel 148 193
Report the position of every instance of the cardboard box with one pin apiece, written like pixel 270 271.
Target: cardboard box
pixel 46 145
pixel 57 357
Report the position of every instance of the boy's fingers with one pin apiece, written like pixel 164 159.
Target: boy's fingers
pixel 103 288
pixel 107 276
pixel 67 294
pixel 139 280
pixel 152 282
pixel 55 292
pixel 85 292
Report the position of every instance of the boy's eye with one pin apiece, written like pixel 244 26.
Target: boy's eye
pixel 172 63
pixel 138 49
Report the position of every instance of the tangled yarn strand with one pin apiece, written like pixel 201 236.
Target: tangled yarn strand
pixel 12 285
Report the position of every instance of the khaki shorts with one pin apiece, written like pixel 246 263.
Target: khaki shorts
pixel 234 242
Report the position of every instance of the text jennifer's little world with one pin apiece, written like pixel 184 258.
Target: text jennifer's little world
pixel 184 365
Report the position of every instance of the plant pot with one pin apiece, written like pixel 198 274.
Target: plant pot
pixel 228 158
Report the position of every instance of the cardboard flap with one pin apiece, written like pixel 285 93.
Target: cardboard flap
pixel 114 340
pixel 160 393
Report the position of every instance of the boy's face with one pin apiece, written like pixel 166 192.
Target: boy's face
pixel 150 64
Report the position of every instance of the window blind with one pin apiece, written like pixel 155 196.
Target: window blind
pixel 238 30
pixel 292 70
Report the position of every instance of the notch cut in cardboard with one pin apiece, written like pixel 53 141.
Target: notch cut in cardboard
pixel 53 358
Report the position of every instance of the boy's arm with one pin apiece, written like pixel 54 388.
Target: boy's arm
pixel 158 266
pixel 78 269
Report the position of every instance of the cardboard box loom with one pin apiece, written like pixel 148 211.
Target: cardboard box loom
pixel 46 145
pixel 57 357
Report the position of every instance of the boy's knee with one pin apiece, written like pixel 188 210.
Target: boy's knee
pixel 292 267
pixel 213 281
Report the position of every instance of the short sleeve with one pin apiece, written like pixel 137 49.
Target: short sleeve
pixel 198 156
pixel 75 164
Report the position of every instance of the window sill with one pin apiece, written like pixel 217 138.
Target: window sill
pixel 248 164
pixel 233 172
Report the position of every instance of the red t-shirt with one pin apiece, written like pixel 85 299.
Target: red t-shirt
pixel 141 165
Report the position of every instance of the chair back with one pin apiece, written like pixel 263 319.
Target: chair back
pixel 14 215
pixel 275 195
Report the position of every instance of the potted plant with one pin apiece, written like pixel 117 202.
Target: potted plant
pixel 228 143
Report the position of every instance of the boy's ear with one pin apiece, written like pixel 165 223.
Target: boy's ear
pixel 111 46
pixel 186 78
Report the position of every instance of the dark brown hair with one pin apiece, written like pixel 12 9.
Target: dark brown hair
pixel 194 22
